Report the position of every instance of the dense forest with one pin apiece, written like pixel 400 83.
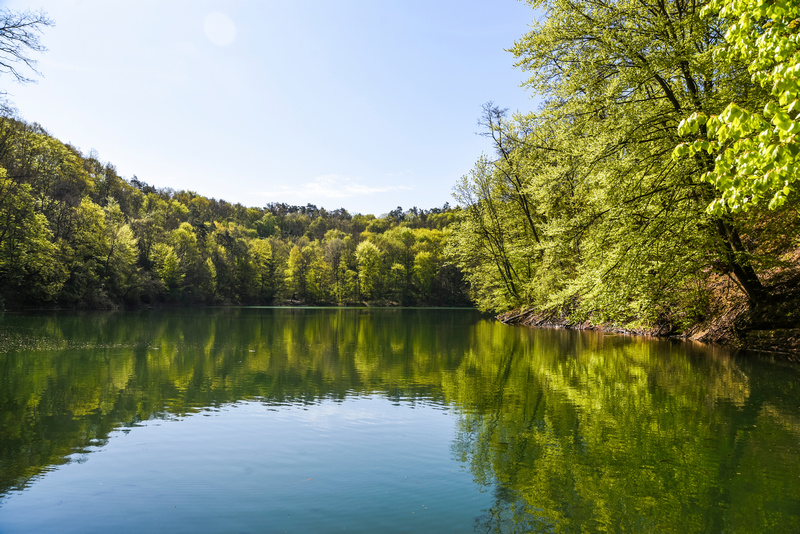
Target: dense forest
pixel 657 184
pixel 655 188
pixel 74 233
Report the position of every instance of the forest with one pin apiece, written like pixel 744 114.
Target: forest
pixel 655 188
pixel 657 184
pixel 73 233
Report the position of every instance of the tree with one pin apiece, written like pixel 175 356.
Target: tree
pixel 319 274
pixel 266 226
pixel 425 273
pixel 296 273
pixel 263 282
pixel 397 282
pixel 483 243
pixel 87 250
pixel 757 152
pixel 120 269
pixel 336 247
pixel 346 288
pixel 55 172
pixel 400 241
pixel 197 272
pixel 633 69
pixel 368 257
pixel 19 35
pixel 74 232
pixel 581 209
pixel 166 266
pixel 231 257
pixel 29 264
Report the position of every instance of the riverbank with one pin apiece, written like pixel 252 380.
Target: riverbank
pixel 772 326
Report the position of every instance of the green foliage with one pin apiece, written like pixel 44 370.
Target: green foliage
pixel 581 210
pixel 369 261
pixel 73 232
pixel 425 271
pixel 120 269
pixel 263 271
pixel 29 263
pixel 267 225
pixel 166 266
pixel 756 149
pixel 307 274
pixel 87 251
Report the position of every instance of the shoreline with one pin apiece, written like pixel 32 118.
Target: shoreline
pixel 771 327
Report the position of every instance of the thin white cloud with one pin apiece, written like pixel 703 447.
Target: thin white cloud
pixel 331 186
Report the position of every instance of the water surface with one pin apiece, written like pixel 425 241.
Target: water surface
pixel 365 420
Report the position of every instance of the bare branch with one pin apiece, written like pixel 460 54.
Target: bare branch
pixel 19 36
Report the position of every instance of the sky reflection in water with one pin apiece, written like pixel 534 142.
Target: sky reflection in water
pixel 392 420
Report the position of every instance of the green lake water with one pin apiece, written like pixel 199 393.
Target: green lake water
pixel 385 420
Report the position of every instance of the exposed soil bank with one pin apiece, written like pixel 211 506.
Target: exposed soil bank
pixel 773 326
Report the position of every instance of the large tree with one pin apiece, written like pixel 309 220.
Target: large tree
pixel 581 207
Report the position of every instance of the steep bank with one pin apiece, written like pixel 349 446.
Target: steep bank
pixel 772 326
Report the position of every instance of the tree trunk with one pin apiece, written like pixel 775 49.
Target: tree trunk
pixel 742 270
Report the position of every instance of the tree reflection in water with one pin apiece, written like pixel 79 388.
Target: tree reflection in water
pixel 569 431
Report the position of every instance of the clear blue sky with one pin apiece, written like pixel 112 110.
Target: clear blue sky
pixel 361 104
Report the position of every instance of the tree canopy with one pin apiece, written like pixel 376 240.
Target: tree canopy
pixel 632 196
pixel 581 209
pixel 75 233
pixel 757 150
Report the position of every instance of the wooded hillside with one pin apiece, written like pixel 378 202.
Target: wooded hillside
pixel 598 207
pixel 74 233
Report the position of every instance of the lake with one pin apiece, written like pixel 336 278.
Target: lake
pixel 385 420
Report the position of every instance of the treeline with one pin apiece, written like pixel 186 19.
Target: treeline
pixel 74 233
pixel 582 211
